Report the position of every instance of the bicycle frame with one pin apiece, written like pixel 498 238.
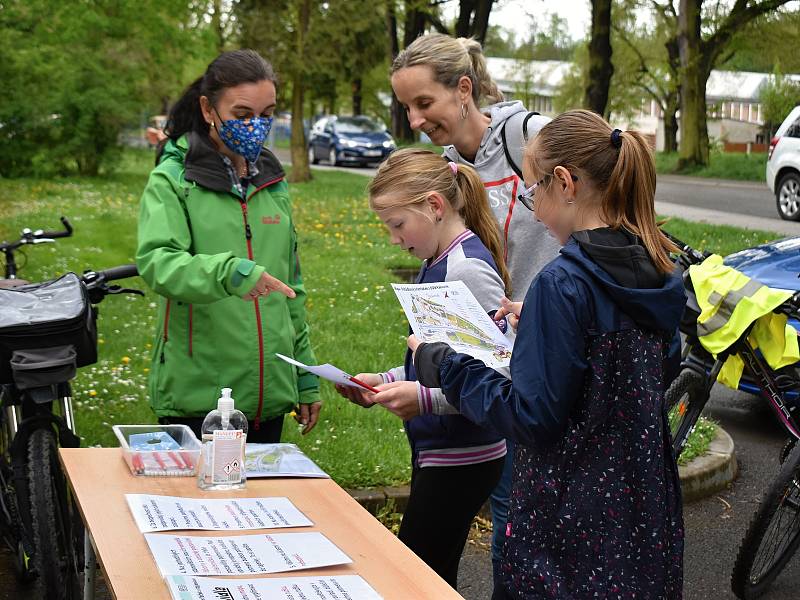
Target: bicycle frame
pixel 755 366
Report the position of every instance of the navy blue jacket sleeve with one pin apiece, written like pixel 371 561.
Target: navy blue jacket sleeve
pixel 548 368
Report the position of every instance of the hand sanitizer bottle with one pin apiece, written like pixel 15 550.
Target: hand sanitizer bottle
pixel 224 433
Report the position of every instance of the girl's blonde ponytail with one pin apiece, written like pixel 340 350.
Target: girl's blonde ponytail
pixel 479 219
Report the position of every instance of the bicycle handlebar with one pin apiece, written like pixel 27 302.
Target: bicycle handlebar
pixel 114 273
pixel 694 257
pixel 97 282
pixel 67 231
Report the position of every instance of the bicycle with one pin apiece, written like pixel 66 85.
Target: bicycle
pixel 760 558
pixel 47 331
pixel 29 237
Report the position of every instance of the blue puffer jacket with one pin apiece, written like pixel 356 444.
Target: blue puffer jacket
pixel 595 501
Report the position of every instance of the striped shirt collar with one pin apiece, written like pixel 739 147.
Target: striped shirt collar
pixel 462 237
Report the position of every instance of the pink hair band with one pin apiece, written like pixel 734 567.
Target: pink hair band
pixel 453 167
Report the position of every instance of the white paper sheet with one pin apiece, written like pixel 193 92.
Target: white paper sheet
pixel 166 513
pixel 448 312
pixel 279 460
pixel 242 554
pixel 326 371
pixel 337 587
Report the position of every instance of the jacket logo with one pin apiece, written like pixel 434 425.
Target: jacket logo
pixel 275 220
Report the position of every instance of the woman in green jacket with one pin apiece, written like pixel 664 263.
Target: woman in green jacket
pixel 216 237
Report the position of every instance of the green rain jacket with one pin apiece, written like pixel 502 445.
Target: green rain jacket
pixel 201 246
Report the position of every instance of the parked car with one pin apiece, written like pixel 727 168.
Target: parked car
pixel 783 166
pixel 354 140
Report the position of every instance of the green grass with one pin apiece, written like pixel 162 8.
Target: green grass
pixel 723 165
pixel 699 441
pixel 719 239
pixel 356 321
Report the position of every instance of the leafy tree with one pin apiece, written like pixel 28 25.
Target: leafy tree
pixel 650 56
pixel 704 39
pixel 81 73
pixel 778 97
pixel 763 44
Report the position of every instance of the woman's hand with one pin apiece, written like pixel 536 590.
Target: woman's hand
pixel 400 398
pixel 358 395
pixel 308 415
pixel 266 284
pixel 512 309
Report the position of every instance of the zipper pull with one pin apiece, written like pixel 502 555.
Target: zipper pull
pixel 247 232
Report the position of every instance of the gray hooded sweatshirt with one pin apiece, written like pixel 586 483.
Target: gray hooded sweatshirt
pixel 527 244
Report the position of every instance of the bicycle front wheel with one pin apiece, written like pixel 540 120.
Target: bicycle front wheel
pixel 685 400
pixel 54 559
pixel 773 535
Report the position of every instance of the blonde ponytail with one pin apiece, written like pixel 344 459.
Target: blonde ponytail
pixel 487 88
pixel 450 59
pixel 409 175
pixel 479 219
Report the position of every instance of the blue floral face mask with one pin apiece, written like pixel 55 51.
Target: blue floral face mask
pixel 245 136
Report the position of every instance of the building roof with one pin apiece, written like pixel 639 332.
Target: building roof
pixel 544 77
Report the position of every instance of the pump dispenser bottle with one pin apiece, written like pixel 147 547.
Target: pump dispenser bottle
pixel 224 433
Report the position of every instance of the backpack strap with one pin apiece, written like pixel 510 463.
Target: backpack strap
pixel 519 140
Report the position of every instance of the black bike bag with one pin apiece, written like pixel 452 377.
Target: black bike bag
pixel 46 315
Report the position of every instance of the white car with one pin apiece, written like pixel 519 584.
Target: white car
pixel 783 166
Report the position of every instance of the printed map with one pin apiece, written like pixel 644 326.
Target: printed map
pixel 448 312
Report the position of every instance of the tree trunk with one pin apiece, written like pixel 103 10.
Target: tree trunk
pixel 480 22
pixel 694 130
pixel 414 25
pixel 671 124
pixel 216 26
pixel 357 85
pixel 672 100
pixel 300 170
pixel 464 17
pixel 600 67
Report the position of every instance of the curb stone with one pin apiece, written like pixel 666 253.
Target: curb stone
pixel 711 472
pixel 702 477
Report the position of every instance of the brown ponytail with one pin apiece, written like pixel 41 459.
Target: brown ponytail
pixel 409 175
pixel 621 166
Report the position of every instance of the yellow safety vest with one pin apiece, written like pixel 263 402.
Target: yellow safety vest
pixel 729 302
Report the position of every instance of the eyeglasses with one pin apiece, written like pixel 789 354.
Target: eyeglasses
pixel 527 195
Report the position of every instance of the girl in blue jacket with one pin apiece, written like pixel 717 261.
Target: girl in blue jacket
pixel 438 211
pixel 595 501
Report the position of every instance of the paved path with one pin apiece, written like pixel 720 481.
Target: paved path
pixel 743 204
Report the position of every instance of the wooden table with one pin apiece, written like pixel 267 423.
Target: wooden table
pixel 100 479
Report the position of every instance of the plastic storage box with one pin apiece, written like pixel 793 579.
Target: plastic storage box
pixel 159 450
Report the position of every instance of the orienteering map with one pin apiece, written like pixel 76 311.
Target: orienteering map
pixel 448 312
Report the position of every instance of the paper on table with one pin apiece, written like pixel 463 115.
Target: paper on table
pixel 448 312
pixel 279 460
pixel 337 587
pixel 164 513
pixel 326 371
pixel 242 554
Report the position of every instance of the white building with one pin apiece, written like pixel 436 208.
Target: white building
pixel 735 114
